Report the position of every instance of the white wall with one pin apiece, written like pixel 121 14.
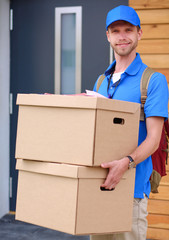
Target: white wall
pixel 4 107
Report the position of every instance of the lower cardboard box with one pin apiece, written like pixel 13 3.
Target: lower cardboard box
pixel 68 198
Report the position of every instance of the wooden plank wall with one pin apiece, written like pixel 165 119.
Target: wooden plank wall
pixel 154 51
pixel 154 46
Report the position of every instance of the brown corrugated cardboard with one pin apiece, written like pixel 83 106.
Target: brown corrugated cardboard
pixel 68 198
pixel 75 129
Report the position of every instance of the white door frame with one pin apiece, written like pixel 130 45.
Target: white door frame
pixel 4 105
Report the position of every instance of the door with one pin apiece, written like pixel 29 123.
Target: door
pixel 33 53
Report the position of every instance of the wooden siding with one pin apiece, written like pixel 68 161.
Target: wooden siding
pixel 154 16
pixel 158 209
pixel 146 4
pixel 154 51
pixel 154 46
pixel 155 31
pixel 156 60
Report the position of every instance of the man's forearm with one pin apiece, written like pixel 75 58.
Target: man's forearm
pixel 151 143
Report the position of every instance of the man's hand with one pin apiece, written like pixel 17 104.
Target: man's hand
pixel 116 170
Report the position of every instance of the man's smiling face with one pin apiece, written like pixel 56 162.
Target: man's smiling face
pixel 123 37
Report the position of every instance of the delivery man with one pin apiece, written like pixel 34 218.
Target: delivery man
pixel 122 82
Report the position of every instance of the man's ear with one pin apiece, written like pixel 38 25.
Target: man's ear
pixel 140 33
pixel 107 34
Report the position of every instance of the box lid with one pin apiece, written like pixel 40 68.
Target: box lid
pixel 75 101
pixel 60 169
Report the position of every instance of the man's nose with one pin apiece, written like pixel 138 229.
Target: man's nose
pixel 122 35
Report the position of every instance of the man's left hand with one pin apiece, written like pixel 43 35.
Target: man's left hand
pixel 116 170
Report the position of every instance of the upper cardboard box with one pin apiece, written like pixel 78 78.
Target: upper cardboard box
pixel 75 129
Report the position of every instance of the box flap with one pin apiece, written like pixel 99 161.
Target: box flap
pixel 117 105
pixel 60 169
pixel 95 172
pixel 57 169
pixel 73 101
pixel 54 100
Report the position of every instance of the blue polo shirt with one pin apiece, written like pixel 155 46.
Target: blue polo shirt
pixel 128 89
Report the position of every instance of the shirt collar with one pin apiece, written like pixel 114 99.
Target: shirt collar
pixel 132 69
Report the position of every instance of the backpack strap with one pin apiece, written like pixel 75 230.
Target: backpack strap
pixel 99 82
pixel 148 72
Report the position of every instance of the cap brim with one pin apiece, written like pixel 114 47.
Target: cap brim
pixel 121 19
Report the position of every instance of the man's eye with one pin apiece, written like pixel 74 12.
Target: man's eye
pixel 115 31
pixel 128 29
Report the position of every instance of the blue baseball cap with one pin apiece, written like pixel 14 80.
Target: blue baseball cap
pixel 124 13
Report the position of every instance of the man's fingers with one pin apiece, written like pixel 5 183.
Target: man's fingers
pixel 109 182
pixel 106 165
pixel 114 174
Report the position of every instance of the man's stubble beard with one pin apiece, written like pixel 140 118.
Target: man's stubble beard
pixel 125 52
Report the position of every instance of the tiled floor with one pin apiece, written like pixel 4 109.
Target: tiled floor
pixel 10 229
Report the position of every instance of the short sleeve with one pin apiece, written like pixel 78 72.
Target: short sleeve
pixel 157 97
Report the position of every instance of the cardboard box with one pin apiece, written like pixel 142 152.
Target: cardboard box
pixel 75 129
pixel 68 198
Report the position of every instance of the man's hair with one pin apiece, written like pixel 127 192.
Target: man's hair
pixel 138 28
